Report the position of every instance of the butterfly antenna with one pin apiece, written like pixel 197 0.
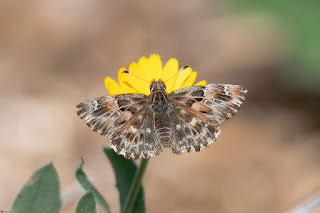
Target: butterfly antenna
pixel 183 68
pixel 127 72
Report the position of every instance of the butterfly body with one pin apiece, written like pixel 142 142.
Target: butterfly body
pixel 159 96
pixel 142 126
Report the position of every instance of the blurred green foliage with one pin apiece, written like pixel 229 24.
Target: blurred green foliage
pixel 125 170
pixel 41 193
pixel 86 204
pixel 88 186
pixel 300 21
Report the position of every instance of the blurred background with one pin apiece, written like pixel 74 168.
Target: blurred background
pixel 55 54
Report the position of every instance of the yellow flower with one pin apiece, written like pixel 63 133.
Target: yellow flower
pixel 151 69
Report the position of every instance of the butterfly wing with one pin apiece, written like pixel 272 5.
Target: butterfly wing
pixel 190 131
pixel 137 137
pixel 108 113
pixel 212 102
pixel 194 116
pixel 126 119
pixel 201 109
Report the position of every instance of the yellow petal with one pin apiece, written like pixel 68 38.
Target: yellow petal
pixel 147 70
pixel 135 69
pixel 169 71
pixel 155 66
pixel 201 83
pixel 112 86
pixel 132 83
pixel 122 77
pixel 190 80
pixel 127 88
pixel 140 82
pixel 182 76
pixel 145 67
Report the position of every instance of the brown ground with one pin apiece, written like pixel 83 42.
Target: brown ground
pixel 55 55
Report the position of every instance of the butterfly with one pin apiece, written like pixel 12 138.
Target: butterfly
pixel 141 126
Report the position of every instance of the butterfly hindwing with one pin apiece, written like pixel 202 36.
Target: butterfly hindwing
pixel 137 137
pixel 190 132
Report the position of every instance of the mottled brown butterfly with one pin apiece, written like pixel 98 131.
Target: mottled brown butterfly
pixel 142 126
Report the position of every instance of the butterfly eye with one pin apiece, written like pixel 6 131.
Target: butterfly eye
pixel 153 85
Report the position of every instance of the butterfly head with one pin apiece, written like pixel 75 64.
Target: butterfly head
pixel 157 85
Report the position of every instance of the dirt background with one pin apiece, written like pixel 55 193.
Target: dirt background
pixel 53 55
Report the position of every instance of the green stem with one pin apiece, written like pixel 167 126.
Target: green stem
pixel 135 186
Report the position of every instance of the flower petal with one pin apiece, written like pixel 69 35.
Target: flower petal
pixel 151 67
pixel 124 81
pixel 135 69
pixel 190 80
pixel 169 71
pixel 112 86
pixel 182 76
pixel 143 66
pixel 155 64
pixel 147 70
pixel 201 83
pixel 138 85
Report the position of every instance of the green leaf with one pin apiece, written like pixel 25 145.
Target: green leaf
pixel 41 194
pixel 125 170
pixel 87 204
pixel 87 185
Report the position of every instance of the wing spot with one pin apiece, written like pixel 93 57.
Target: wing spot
pixel 222 97
pixel 100 111
pixel 207 102
pixel 117 141
pixel 187 131
pixel 123 102
pixel 132 110
pixel 130 136
pixel 220 87
pixel 94 104
pixel 189 102
pixel 119 123
pixel 211 129
pixel 217 101
pixel 197 148
pixel 81 110
pixel 178 126
pixel 198 94
pixel 209 111
pixel 194 132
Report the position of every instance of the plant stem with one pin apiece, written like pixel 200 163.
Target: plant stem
pixel 135 187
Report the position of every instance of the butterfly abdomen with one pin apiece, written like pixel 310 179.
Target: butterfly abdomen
pixel 162 126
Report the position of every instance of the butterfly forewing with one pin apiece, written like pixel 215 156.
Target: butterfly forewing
pixel 108 113
pixel 213 103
